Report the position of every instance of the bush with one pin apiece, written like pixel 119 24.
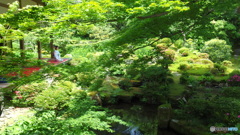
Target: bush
pixel 81 117
pixel 183 67
pixel 228 114
pixel 169 53
pixel 56 97
pixel 155 83
pixel 218 69
pixel 215 110
pixel 206 78
pixel 179 43
pixel 217 49
pixel 184 51
pixel 25 94
pixel 227 63
pixel 84 79
pixel 125 84
pixel 203 55
pixel 166 41
pixel 232 92
pixel 200 108
pixel 184 78
pixel 234 80
pixel 161 47
pixel 235 72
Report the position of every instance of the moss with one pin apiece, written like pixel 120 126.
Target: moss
pixel 176 90
pixel 165 106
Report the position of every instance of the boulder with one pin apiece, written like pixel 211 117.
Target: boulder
pixel 164 115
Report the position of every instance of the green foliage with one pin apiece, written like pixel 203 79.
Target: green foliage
pixel 84 79
pixel 82 117
pixel 203 55
pixel 183 67
pixel 169 53
pixel 125 84
pixel 184 78
pixel 218 69
pixel 150 7
pixel 155 83
pixel 214 111
pixel 224 29
pixel 63 109
pixel 200 108
pixel 179 43
pixel 217 49
pixel 184 51
pixel 56 97
pixel 231 92
pixel 143 52
pixel 101 32
pixel 166 41
pixel 227 63
pixel 25 94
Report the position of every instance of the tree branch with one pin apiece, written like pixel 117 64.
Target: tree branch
pixel 151 16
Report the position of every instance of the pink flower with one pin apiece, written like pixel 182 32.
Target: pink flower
pixel 227 113
pixel 238 116
pixel 16 92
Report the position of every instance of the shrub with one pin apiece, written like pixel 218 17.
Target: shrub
pixel 234 80
pixel 227 63
pixel 232 92
pixel 84 78
pixel 169 53
pixel 199 108
pixel 155 83
pixel 218 69
pixel 166 41
pixel 215 110
pixel 206 78
pixel 25 94
pixel 56 97
pixel 179 43
pixel 235 72
pixel 228 114
pixel 205 61
pixel 184 51
pixel 125 84
pixel 184 78
pixel 183 67
pixel 217 49
pixel 161 47
pixel 81 117
pixel 203 55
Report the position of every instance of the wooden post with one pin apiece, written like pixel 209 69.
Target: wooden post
pixel 22 48
pixel 51 47
pixel 39 48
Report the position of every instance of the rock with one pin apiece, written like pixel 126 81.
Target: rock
pixel 164 115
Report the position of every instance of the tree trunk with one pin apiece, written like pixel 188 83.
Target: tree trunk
pixel 1 44
pixel 39 48
pixel 10 45
pixel 22 48
pixel 51 47
pixel 20 3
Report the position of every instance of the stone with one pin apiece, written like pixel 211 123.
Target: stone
pixel 164 115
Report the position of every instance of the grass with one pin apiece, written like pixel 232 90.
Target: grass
pixel 176 90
